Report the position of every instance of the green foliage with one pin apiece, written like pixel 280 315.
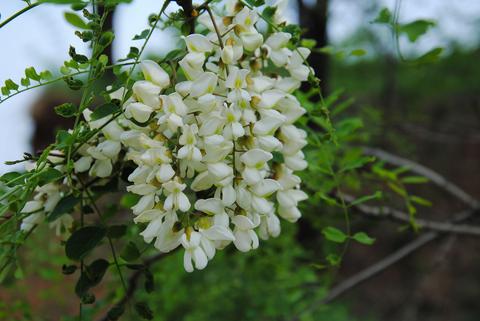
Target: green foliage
pixel 84 240
pixel 75 20
pixel 415 29
pixel 64 206
pixel 363 238
pixel 333 234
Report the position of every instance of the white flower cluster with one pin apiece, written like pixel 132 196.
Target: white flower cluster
pixel 215 153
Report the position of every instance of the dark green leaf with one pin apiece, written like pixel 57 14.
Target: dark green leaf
pixel 255 3
pixel 362 237
pixel 116 231
pixel 49 175
pixel 82 241
pixel 149 281
pixel 88 298
pixel 115 313
pixel 104 110
pixel 65 206
pixel 130 252
pixel 144 310
pixel 69 269
pixel 333 234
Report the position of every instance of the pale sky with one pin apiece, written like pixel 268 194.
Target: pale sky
pixel 41 39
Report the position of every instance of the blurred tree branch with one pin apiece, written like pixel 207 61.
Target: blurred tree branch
pixel 397 215
pixel 433 176
pixel 378 267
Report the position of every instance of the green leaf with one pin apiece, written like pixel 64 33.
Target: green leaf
pixel 82 241
pixel 25 82
pixel 66 110
pixel 11 85
pixel 129 199
pixel 46 75
pixel 116 312
pixel 333 234
pixel 31 73
pixel 106 38
pixel 174 55
pixel 61 1
pixel 415 29
pixel 366 198
pixel 68 269
pixel 142 35
pixel 414 180
pixel 5 91
pixel 255 3
pixel 144 310
pixel 420 200
pixel 49 175
pixel 63 139
pixel 429 57
pixel 149 281
pixel 64 206
pixel 104 110
pixel 75 20
pixel 116 231
pixel 308 43
pixel 92 276
pixel 358 52
pixel 384 16
pixel 398 189
pixel 363 238
pixel 334 259
pixel 357 162
pixel 130 252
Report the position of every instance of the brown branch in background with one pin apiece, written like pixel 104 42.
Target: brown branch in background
pixel 433 176
pixel 383 264
pixel 397 215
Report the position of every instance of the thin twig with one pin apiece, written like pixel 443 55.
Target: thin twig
pixel 19 13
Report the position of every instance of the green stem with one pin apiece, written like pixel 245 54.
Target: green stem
pixel 19 13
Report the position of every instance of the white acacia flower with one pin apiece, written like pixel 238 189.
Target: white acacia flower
pixel 276 49
pixel 245 237
pixel 209 130
pixel 193 252
pixel 176 199
pixel 155 74
pixel 255 161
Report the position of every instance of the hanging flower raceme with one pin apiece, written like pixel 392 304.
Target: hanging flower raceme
pixel 214 144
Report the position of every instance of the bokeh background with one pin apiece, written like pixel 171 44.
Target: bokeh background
pixel 428 113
